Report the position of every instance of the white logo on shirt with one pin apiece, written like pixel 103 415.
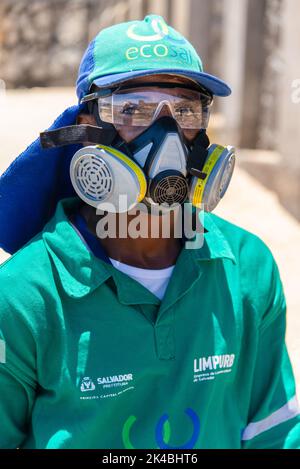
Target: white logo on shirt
pixel 87 385
pixel 106 386
pixel 159 27
pixel 207 368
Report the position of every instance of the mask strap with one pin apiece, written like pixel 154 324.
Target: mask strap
pixel 117 141
pixel 77 134
pixel 198 155
pixel 93 109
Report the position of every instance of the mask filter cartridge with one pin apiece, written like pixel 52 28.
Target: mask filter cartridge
pixel 102 175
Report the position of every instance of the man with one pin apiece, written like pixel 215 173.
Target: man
pixel 137 341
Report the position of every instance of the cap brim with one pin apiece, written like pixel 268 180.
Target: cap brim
pixel 216 86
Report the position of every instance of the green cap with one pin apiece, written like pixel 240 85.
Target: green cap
pixel 142 48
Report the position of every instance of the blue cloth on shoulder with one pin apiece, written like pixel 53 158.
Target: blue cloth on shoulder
pixel 32 186
pixel 92 241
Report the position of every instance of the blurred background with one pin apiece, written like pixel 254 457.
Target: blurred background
pixel 254 45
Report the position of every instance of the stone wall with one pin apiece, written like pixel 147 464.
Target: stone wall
pixel 42 41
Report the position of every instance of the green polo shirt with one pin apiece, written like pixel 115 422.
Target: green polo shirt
pixel 92 359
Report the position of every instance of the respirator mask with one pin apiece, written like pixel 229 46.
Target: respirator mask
pixel 161 166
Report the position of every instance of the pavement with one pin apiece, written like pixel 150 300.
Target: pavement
pixel 247 203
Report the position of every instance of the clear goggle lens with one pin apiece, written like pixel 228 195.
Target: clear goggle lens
pixel 139 107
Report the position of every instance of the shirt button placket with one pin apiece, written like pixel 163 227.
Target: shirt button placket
pixel 164 340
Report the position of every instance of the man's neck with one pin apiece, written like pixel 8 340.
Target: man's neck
pixel 144 252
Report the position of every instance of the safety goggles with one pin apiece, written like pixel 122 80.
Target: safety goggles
pixel 139 106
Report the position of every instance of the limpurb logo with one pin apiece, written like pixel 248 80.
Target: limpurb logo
pixel 207 368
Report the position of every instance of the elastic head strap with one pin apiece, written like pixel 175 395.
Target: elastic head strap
pixel 93 110
pixel 117 140
pixel 73 134
pixel 198 155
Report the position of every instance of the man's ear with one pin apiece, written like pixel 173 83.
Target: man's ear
pixel 85 119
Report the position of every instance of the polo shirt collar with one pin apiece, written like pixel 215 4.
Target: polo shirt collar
pixel 215 245
pixel 81 271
